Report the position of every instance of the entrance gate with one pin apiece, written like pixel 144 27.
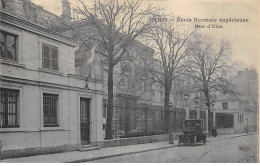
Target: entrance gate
pixel 85 120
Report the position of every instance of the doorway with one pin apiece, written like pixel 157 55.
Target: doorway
pixel 85 120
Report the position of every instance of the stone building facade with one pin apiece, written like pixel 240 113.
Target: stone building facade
pixel 235 115
pixel 45 106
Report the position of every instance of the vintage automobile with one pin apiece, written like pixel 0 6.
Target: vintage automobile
pixel 193 132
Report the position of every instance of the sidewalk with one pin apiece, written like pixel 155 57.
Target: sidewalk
pixel 221 137
pixel 77 156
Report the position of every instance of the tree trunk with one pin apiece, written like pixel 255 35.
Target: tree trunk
pixel 166 110
pixel 210 120
pixel 167 89
pixel 3 4
pixel 108 134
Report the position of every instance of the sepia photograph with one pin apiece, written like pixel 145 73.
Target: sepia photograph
pixel 129 81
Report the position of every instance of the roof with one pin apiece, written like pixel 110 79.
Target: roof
pixel 13 19
pixel 136 43
pixel 237 98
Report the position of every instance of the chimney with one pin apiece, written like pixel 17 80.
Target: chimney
pixel 66 14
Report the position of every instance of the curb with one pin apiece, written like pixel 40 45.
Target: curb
pixel 115 155
pixel 233 137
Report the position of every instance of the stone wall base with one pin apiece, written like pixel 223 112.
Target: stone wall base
pixel 136 140
pixel 103 144
pixel 37 151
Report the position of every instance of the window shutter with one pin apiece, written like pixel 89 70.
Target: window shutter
pixel 45 51
pixel 50 57
pixel 54 53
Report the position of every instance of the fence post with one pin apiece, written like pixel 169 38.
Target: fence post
pixel 1 153
pixel 174 116
pixel 126 119
pixel 162 120
pixel 146 121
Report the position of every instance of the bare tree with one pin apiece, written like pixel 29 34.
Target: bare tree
pixel 209 66
pixel 4 3
pixel 8 4
pixel 169 42
pixel 113 25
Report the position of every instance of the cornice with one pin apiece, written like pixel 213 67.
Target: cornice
pixel 47 84
pixel 84 78
pixel 20 22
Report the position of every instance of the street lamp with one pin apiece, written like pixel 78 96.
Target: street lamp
pixel 171 106
pixel 213 104
pixel 187 107
pixel 246 126
pixel 186 97
pixel 196 99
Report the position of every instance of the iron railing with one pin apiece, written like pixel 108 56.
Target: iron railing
pixel 192 114
pixel 133 119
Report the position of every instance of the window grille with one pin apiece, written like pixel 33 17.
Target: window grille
pixel 50 57
pixel 50 110
pixel 8 46
pixel 8 108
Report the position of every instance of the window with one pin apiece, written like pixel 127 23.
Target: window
pixel 50 57
pixel 50 110
pixel 8 46
pixel 225 105
pixel 224 120
pixel 8 108
pixel 192 114
pixel 240 118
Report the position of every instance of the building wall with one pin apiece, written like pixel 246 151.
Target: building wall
pixel 243 117
pixel 28 77
pixel 32 12
pixel 247 82
pixel 32 133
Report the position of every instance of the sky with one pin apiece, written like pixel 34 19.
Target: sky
pixel 244 37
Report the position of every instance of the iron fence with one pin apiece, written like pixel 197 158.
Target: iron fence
pixel 203 116
pixel 192 114
pixel 133 119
